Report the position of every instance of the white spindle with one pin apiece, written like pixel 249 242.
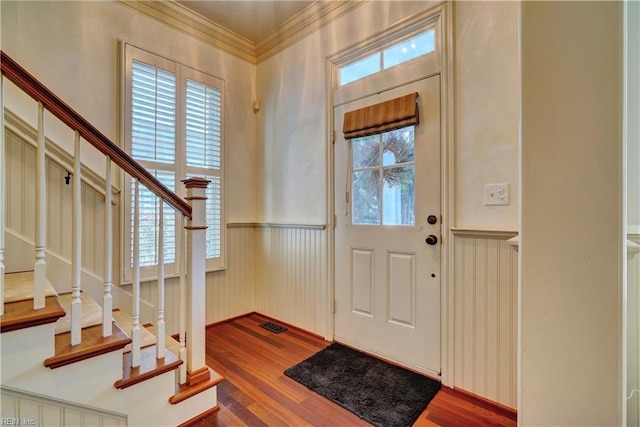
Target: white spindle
pixel 183 303
pixel 76 248
pixel 160 341
pixel 40 266
pixel 3 193
pixel 135 330
pixel 107 299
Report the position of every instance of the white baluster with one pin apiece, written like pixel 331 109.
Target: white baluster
pixel 40 265
pixel 160 330
pixel 107 299
pixel 76 248
pixel 183 303
pixel 3 193
pixel 135 330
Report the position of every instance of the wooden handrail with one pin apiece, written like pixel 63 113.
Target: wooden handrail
pixel 30 85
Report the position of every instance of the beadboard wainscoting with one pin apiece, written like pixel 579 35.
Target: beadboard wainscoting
pixel 20 408
pixel 633 332
pixel 291 282
pixel 230 292
pixel 485 319
pixel 21 206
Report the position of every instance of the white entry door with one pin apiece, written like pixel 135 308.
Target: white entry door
pixel 387 276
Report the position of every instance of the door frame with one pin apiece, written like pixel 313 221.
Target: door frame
pixel 442 13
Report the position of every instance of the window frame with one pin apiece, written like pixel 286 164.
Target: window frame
pixel 413 69
pixel 182 72
pixel 381 49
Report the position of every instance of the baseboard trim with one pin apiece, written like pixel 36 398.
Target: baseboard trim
pixel 200 417
pixel 289 325
pixel 484 403
pixel 230 319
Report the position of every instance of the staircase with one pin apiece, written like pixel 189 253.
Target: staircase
pixel 67 350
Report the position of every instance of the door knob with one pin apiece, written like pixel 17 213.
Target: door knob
pixel 431 240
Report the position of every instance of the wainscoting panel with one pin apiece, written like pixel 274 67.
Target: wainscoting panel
pixel 21 408
pixel 633 335
pixel 21 206
pixel 230 292
pixel 291 275
pixel 485 319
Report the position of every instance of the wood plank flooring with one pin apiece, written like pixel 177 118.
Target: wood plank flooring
pixel 255 392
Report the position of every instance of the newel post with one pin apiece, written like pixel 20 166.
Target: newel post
pixel 197 370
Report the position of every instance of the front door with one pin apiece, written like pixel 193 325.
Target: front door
pixel 387 237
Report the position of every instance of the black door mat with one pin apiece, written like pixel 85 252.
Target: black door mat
pixel 273 327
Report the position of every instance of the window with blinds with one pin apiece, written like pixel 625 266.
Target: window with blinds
pixel 174 128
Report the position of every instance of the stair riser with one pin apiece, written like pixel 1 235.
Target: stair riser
pixel 24 350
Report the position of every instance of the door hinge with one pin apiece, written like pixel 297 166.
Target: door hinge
pixel 333 306
pixel 347 197
pixel 335 220
pixel 333 137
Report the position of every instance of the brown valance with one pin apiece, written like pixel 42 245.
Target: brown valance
pixel 385 116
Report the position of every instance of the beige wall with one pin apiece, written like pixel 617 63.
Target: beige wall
pixel 487 109
pixel 292 126
pixel 632 127
pixel 571 214
pixel 72 47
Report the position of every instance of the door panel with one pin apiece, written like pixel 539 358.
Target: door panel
pixel 387 279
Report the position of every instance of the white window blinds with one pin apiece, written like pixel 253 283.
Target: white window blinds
pixel 175 130
pixel 203 119
pixel 153 114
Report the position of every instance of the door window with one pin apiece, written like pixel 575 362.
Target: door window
pixel 383 178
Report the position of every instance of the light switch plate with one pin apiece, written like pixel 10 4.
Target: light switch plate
pixel 496 194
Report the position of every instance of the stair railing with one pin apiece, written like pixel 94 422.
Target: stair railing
pixel 191 210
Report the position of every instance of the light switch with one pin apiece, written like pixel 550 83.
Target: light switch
pixel 496 194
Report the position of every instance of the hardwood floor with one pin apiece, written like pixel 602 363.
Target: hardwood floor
pixel 255 392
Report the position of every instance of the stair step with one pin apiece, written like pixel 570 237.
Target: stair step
pixel 149 367
pixel 91 313
pixel 170 342
pixel 186 391
pixel 125 321
pixel 93 344
pixel 20 314
pixel 19 287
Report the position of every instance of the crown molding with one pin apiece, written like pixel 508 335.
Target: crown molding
pixel 183 19
pixel 310 19
pixel 179 17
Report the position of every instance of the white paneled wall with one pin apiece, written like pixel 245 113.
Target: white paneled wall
pixel 633 335
pixel 485 322
pixel 22 408
pixel 21 206
pixel 230 292
pixel 291 275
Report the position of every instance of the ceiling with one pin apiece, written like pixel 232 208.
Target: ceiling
pixel 251 19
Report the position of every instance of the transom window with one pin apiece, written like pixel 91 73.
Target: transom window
pixel 398 53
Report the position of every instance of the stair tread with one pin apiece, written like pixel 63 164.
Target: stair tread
pixel 170 342
pixel 91 313
pixel 185 391
pixel 19 287
pixel 93 344
pixel 20 314
pixel 149 367
pixel 147 338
